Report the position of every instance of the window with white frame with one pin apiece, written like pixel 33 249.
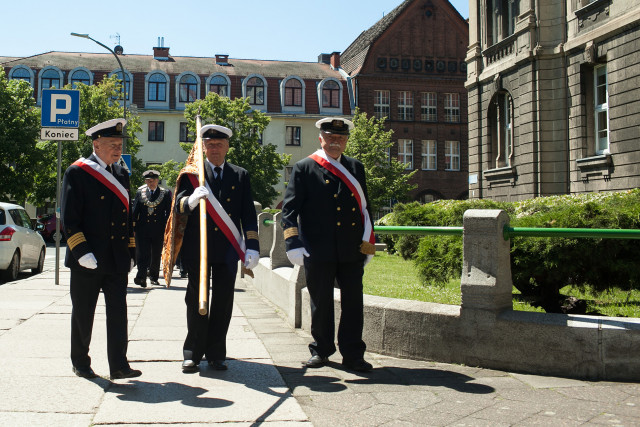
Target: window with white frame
pixel 331 94
pixel 429 155
pixel 156 131
pixel 80 76
pixel 188 88
pixel 405 153
pixel 293 135
pixel 157 88
pixel 381 106
pixel 185 135
pixel 255 91
pixel 405 105
pixel 452 155
pixel 219 85
pixel 452 107
pixel 429 107
pixel 601 111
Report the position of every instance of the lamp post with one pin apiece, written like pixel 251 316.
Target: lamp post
pixel 124 82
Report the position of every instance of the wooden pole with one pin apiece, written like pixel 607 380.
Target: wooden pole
pixel 204 264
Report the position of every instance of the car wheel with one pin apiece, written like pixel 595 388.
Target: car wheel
pixel 40 266
pixel 11 273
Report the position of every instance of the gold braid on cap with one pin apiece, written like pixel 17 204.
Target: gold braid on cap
pixel 290 232
pixel 75 240
pixel 368 248
pixel 252 235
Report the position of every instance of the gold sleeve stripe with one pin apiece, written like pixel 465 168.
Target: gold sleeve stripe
pixel 75 240
pixel 182 203
pixel 132 242
pixel 290 232
pixel 252 235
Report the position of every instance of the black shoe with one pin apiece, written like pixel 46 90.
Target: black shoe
pixel 125 373
pixel 183 275
pixel 218 365
pixel 358 365
pixel 154 282
pixel 316 362
pixel 84 372
pixel 189 366
pixel 140 282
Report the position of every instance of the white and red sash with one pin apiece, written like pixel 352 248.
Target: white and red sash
pixel 345 176
pixel 222 220
pixel 107 179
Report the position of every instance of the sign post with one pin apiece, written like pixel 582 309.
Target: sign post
pixel 60 120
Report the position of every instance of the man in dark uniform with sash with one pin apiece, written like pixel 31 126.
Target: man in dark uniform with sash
pixel 100 247
pixel 151 209
pixel 328 230
pixel 230 209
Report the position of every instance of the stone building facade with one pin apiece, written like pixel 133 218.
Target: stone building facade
pixel 554 97
pixel 409 67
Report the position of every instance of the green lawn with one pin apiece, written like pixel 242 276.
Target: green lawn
pixel 393 277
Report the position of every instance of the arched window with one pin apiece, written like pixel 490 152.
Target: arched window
pixel 50 79
pixel 157 88
pixel 255 91
pixel 80 76
pixel 331 94
pixel 188 88
pixel 219 85
pixel 501 129
pixel 127 86
pixel 293 93
pixel 21 73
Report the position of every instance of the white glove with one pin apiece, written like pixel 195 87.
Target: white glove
pixel 131 265
pixel 251 259
pixel 199 193
pixel 88 261
pixel 367 260
pixel 296 256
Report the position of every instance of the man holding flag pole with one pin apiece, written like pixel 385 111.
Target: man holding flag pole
pixel 216 236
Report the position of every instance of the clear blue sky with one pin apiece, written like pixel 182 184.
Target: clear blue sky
pixel 296 30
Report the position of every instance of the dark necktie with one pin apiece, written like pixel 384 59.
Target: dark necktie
pixel 109 169
pixel 217 181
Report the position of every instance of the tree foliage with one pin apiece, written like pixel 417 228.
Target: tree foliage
pixel 98 103
pixel 19 130
pixel 387 179
pixel 261 160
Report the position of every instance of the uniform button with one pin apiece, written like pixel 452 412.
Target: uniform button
pixel 101 197
pixel 112 237
pixel 124 223
pixel 229 214
pixel 233 187
pixel 326 181
pixel 351 194
pixel 113 223
pixel 228 200
pixel 338 208
pixel 353 209
pixel 338 223
pixel 353 224
pixel 122 238
pixel 216 229
pixel 335 196
pixel 124 210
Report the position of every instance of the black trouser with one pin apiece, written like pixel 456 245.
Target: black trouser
pixel 207 335
pixel 148 252
pixel 85 288
pixel 321 277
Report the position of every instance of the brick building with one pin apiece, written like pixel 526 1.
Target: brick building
pixel 410 68
pixel 554 97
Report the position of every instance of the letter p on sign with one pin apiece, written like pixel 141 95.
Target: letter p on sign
pixel 58 100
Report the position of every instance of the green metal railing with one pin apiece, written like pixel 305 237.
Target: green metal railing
pixel 508 232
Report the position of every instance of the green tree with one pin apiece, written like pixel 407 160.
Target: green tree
pixel 19 130
pixel 98 103
pixel 262 161
pixel 387 179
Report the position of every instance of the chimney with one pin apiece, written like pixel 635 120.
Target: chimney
pixel 324 58
pixel 161 53
pixel 222 59
pixel 335 60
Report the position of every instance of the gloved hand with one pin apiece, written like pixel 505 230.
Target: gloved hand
pixel 367 260
pixel 199 193
pixel 88 261
pixel 296 256
pixel 251 259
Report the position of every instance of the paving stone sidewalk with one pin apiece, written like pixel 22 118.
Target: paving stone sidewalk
pixel 265 383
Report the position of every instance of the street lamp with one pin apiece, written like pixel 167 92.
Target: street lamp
pixel 124 81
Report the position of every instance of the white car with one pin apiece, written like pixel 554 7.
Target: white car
pixel 21 246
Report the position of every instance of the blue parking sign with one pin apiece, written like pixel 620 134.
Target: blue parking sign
pixel 60 108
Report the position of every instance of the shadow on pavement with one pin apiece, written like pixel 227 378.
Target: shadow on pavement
pixel 148 392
